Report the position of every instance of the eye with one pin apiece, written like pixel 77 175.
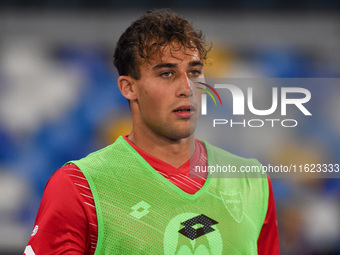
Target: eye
pixel 166 74
pixel 195 72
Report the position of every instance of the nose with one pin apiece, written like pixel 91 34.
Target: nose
pixel 185 86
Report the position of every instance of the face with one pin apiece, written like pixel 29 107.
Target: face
pixel 167 101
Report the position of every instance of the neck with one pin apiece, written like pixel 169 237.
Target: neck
pixel 173 152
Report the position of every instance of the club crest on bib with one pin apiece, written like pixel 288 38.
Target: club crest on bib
pixel 234 204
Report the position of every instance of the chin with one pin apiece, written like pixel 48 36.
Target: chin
pixel 182 134
pixel 176 132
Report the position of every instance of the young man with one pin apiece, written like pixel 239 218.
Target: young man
pixel 136 195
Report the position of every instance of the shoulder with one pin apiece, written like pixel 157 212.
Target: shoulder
pixel 102 156
pixel 61 190
pixel 61 224
pixel 60 180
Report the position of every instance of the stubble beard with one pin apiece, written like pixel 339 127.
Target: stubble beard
pixel 175 133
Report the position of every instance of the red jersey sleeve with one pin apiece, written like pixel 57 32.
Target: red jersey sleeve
pixel 268 242
pixel 62 224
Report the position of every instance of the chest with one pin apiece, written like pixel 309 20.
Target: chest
pixel 151 217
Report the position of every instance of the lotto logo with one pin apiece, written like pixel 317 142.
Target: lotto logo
pixel 192 233
pixel 35 230
pixel 140 209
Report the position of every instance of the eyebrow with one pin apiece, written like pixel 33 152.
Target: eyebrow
pixel 165 65
pixel 195 63
pixel 171 65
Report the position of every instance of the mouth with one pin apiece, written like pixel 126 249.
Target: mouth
pixel 184 111
pixel 183 108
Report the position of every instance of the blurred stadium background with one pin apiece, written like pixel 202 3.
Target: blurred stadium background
pixel 59 98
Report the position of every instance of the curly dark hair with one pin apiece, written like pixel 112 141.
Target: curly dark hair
pixel 147 35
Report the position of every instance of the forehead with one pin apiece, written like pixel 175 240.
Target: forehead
pixel 173 53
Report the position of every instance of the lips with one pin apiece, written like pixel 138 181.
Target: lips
pixel 184 111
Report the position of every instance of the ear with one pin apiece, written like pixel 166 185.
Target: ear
pixel 126 85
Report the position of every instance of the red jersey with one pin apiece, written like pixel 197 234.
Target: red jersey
pixel 67 222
